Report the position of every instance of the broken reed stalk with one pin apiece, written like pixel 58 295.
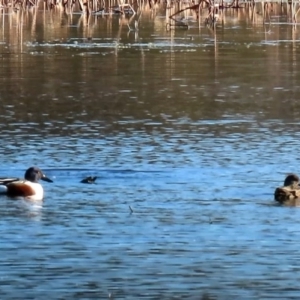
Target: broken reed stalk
pixel 214 7
pixel 211 19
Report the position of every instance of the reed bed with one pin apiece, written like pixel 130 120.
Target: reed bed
pixel 176 11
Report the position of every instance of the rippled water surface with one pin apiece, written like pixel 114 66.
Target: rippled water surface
pixel 188 131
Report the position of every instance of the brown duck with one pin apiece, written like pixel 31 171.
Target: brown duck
pixel 289 193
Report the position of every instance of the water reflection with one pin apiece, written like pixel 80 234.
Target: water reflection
pixel 11 209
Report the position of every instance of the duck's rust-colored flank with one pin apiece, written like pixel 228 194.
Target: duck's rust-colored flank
pixel 19 189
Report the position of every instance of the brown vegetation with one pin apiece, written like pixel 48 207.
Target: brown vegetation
pixel 175 10
pixel 215 8
pixel 86 6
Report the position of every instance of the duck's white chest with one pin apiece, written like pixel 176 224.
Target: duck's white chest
pixel 37 189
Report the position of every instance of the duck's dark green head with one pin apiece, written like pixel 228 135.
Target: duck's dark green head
pixel 291 179
pixel 35 174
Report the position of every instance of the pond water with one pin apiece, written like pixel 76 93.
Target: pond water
pixel 188 131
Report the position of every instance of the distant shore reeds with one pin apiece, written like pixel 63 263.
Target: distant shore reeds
pixel 177 12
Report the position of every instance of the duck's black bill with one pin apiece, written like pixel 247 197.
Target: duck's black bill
pixel 45 178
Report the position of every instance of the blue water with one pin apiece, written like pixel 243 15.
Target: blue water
pixel 206 227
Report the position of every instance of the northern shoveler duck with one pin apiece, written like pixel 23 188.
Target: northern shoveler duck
pixel 28 188
pixel 289 192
